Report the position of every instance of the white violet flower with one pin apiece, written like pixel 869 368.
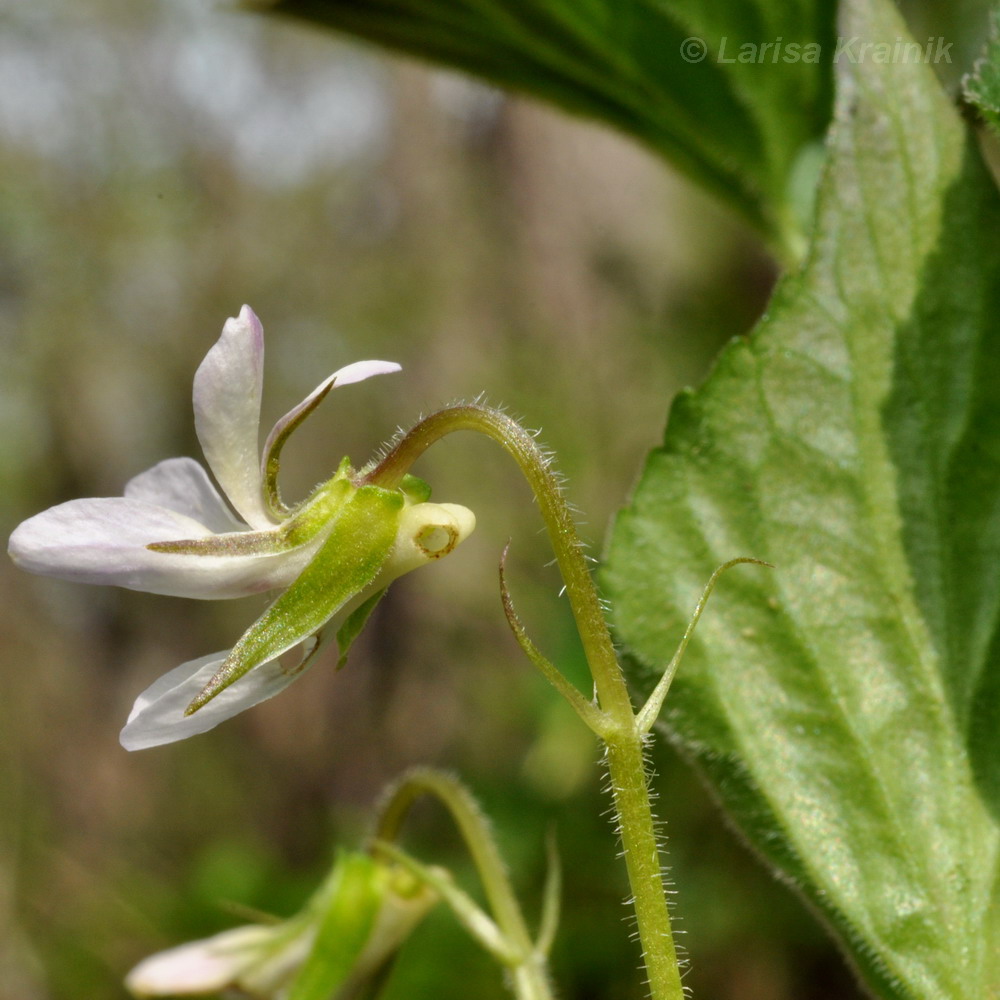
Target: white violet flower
pixel 172 533
pixel 354 923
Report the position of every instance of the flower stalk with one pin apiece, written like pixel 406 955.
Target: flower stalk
pixel 506 936
pixel 617 724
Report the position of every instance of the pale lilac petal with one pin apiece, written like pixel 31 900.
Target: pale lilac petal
pixel 227 394
pixel 158 714
pixel 104 541
pixel 256 960
pixel 182 485
pixel 200 967
pixel 99 540
pixel 356 372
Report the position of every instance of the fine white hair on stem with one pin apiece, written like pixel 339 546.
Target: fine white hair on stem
pixel 664 875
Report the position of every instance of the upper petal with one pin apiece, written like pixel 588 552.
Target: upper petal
pixel 157 717
pixel 356 372
pixel 227 395
pixel 105 541
pixel 181 484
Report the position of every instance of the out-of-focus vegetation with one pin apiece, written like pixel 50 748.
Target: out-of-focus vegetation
pixel 163 163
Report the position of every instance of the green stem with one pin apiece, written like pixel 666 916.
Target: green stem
pixel 529 974
pixel 622 734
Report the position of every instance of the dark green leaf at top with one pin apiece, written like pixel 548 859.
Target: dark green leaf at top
pixel 733 93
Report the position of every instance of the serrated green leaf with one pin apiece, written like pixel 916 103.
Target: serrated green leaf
pixel 982 86
pixel 672 73
pixel 846 706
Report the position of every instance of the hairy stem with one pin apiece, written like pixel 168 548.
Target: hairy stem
pixel 622 734
pixel 528 974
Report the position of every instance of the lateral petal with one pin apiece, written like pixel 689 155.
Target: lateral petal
pixel 182 484
pixel 200 967
pixel 227 395
pixel 157 717
pixel 105 541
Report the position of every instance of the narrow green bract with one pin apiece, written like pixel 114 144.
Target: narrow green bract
pixel 353 626
pixel 846 706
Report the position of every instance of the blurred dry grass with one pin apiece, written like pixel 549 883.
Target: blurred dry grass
pixel 486 244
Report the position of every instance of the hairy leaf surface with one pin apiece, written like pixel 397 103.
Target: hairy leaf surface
pixel 982 85
pixel 845 707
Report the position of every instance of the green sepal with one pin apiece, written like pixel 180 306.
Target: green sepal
pixel 347 906
pixel 353 625
pixel 415 489
pixel 304 524
pixel 359 542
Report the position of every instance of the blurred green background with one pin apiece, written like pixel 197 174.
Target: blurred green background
pixel 164 162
